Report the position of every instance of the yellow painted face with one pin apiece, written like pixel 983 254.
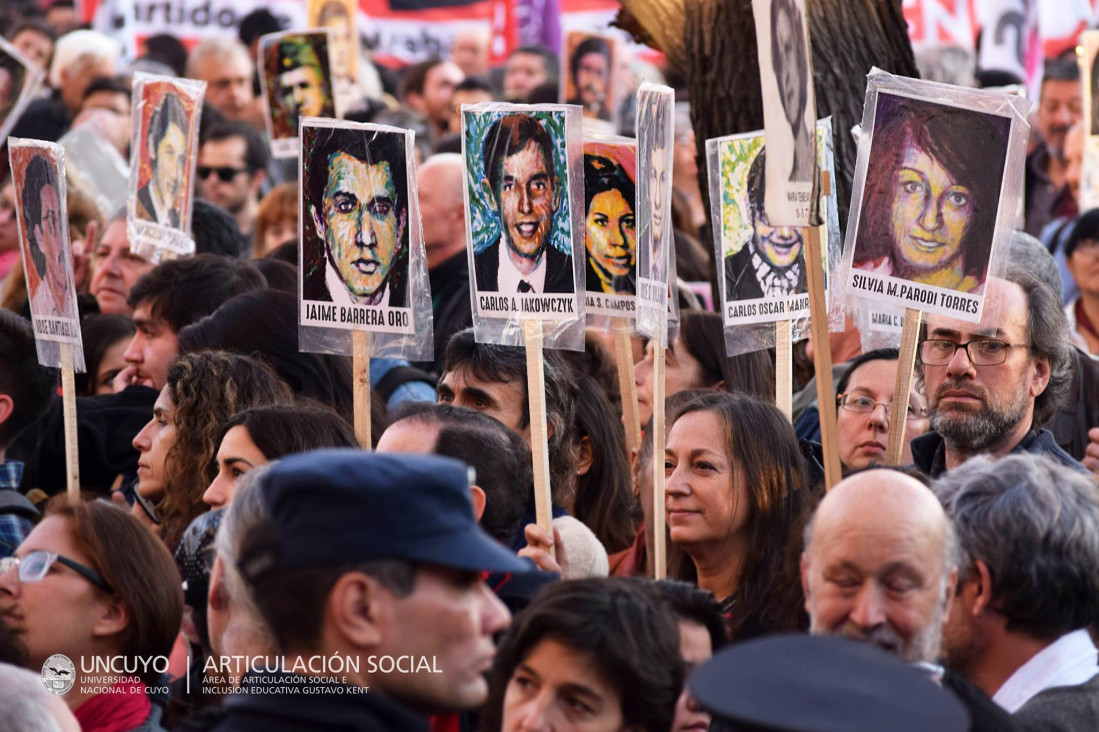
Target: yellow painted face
pixel 931 214
pixel 611 234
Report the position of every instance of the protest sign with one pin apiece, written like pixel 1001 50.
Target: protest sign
pixel 789 111
pixel 163 152
pixel 20 79
pixel 296 80
pixel 38 177
pixel 363 277
pixel 937 185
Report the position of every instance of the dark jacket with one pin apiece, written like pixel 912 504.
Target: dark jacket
pixel 985 715
pixel 929 451
pixel 276 703
pixel 105 424
pixel 741 282
pixel 450 305
pixel 1079 411
pixel 558 269
pixel 1063 709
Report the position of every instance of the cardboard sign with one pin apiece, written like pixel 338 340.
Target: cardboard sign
pixel 296 78
pixel 162 165
pixel 38 174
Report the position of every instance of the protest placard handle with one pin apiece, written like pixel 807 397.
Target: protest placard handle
pixel 659 559
pixel 910 333
pixel 360 365
pixel 539 439
pixel 623 356
pixel 68 413
pixel 784 368
pixel 822 358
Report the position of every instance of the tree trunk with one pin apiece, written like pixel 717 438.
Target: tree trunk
pixel 712 43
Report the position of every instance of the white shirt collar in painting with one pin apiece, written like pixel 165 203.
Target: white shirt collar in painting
pixel 509 276
pixel 337 290
pixel 1069 661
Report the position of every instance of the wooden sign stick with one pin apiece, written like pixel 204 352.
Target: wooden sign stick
pixel 784 368
pixel 623 356
pixel 539 440
pixel 822 358
pixel 910 333
pixel 360 366
pixel 68 414
pixel 659 558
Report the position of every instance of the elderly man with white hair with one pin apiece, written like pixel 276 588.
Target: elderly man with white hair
pixel 78 58
pixel 880 566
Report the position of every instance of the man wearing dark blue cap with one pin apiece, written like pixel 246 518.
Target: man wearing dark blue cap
pixel 367 570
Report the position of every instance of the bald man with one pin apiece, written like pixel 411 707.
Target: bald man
pixel 879 566
pixel 442 210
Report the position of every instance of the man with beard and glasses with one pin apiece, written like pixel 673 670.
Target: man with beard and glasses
pixel 991 386
pixel 879 566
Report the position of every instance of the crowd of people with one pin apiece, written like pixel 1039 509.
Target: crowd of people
pixel 238 559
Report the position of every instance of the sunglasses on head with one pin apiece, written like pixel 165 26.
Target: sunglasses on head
pixel 225 174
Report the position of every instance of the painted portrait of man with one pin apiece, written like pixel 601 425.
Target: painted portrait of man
pixel 590 68
pixel 790 60
pixel 163 198
pixel 297 78
pixel 44 238
pixel 356 205
pixel 771 263
pixel 932 193
pixel 654 177
pixel 521 184
pixel 337 16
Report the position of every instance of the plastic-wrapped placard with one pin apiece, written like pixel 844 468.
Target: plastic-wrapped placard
pixel 361 260
pixel 296 79
pixel 524 197
pixel 38 175
pixel 937 184
pixel 610 229
pixel 589 78
pixel 338 16
pixel 20 79
pixel 95 166
pixel 789 110
pixel 163 150
pixel 1089 179
pixel 655 254
pixel 763 277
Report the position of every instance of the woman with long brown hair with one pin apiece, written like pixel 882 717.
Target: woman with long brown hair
pixel 736 500
pixel 179 444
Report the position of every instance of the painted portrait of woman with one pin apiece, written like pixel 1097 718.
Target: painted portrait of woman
pixel 611 226
pixel 932 193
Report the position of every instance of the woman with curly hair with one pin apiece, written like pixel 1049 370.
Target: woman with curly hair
pixel 179 444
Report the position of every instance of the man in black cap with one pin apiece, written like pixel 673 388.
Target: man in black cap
pixel 366 568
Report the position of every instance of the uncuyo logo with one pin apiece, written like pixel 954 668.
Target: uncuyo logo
pixel 58 674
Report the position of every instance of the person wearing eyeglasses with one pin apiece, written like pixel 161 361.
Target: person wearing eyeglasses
pixel 90 583
pixel 232 171
pixel 992 385
pixel 865 399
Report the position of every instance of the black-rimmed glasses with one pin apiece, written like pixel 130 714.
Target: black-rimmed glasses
pixel 34 566
pixel 981 352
